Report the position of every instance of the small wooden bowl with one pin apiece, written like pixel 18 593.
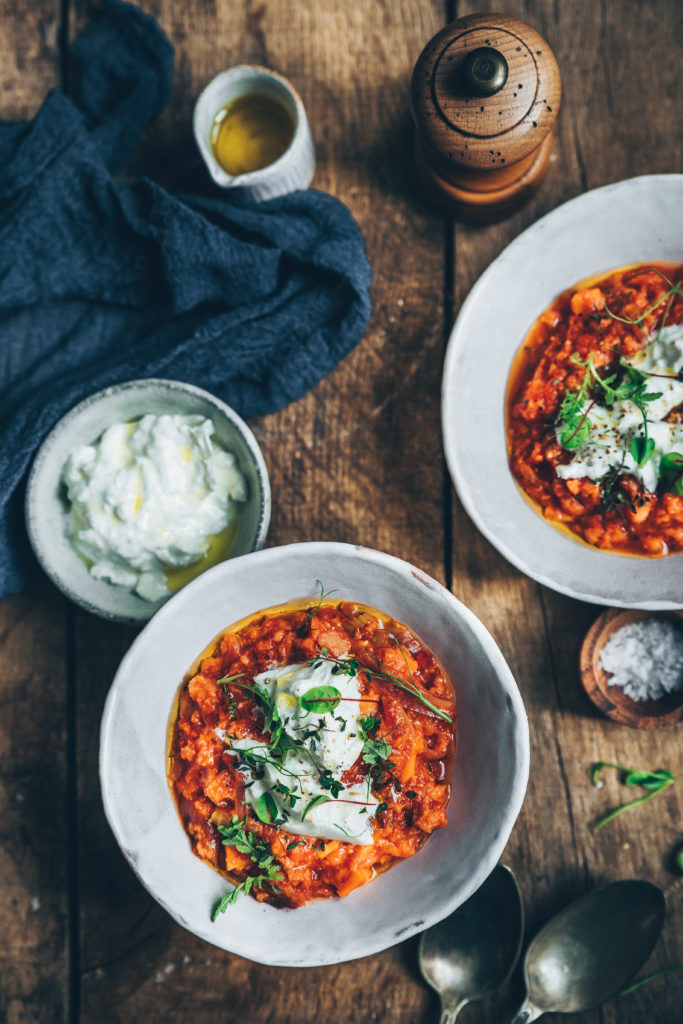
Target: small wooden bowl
pixel 611 700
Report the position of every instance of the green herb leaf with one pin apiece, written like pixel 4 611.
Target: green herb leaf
pixel 299 842
pixel 226 680
pixel 266 809
pixel 320 699
pixel 649 977
pixel 411 794
pixel 671 472
pixel 237 835
pixel 320 799
pixel 381 808
pixel 654 782
pixel 642 449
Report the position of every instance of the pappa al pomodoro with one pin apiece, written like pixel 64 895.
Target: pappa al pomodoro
pixel 595 411
pixel 310 749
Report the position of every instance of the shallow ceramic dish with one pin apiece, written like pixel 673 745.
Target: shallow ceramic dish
pixel 489 774
pixel 611 700
pixel 632 221
pixel 46 501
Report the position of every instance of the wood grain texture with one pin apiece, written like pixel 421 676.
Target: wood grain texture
pixel 358 459
pixel 35 842
pixel 615 122
pixel 35 845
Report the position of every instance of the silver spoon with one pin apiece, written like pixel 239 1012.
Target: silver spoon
pixel 588 951
pixel 472 952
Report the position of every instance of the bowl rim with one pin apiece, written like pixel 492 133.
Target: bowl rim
pixel 41 460
pixel 519 731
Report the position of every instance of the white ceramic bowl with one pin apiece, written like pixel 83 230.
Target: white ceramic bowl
pixel 630 222
pixel 46 501
pixel 293 170
pixel 489 774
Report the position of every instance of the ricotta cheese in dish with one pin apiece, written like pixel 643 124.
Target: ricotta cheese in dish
pixel 149 497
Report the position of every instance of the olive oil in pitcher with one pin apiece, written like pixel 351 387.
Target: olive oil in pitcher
pixel 251 132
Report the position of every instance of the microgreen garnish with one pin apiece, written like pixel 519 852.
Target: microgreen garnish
pixel 631 388
pixel 350 666
pixel 246 842
pixel 312 612
pixel 576 427
pixel 649 977
pixel 671 472
pixel 292 846
pixel 265 809
pixel 320 799
pixel 381 808
pixel 328 781
pixel 654 782
pixel 320 699
pixel 670 295
pixel 376 753
pixel 411 794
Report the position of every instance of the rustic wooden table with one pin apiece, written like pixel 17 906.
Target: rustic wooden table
pixel 358 459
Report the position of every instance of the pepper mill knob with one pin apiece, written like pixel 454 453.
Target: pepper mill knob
pixel 484 71
pixel 485 95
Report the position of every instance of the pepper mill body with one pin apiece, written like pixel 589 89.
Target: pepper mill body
pixel 485 95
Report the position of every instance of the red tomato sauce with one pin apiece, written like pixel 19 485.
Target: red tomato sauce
pixel 584 320
pixel 209 789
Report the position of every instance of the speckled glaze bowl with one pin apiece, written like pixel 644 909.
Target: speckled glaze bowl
pixel 46 503
pixel 489 774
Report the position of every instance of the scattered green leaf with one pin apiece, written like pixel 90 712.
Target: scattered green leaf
pixel 654 782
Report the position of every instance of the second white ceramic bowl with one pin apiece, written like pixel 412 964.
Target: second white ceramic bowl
pixel 489 775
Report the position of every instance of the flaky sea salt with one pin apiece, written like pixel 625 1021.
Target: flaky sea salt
pixel 645 659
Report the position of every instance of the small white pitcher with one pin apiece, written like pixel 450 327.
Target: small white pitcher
pixel 293 170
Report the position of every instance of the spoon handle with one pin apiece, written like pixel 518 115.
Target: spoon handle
pixel 526 1013
pixel 450 1012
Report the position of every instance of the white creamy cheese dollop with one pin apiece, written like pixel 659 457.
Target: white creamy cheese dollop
pixel 329 740
pixel 613 428
pixel 149 496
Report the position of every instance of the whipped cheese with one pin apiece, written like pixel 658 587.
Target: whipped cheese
pixel 148 497
pixel 324 742
pixel 613 428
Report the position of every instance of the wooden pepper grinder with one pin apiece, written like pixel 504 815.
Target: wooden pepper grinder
pixel 485 94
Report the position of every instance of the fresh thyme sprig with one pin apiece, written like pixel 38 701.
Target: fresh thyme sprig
pixel 312 612
pixel 350 666
pixel 236 835
pixel 654 782
pixel 377 751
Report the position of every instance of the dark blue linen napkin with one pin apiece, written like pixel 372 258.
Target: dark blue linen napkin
pixel 102 282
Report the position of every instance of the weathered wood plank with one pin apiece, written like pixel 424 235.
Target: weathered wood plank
pixel 35 843
pixel 357 460
pixel 616 121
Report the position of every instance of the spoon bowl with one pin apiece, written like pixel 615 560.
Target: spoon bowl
pixel 472 952
pixel 591 949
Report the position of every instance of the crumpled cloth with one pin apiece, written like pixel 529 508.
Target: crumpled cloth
pixel 102 282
